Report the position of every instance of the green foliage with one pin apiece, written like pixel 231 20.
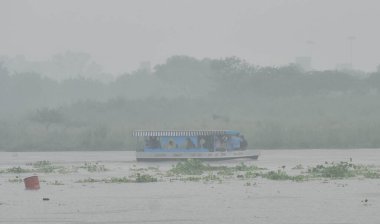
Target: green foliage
pixel 88 180
pixel 45 166
pixel 211 177
pixel 298 167
pixel 145 178
pixel 47 116
pixel 38 167
pixel 56 183
pixel 371 174
pixel 189 167
pixel 343 170
pixel 244 167
pixel 251 174
pixel 93 167
pixel 340 170
pixel 279 175
pixel 118 180
pixel 299 178
pixel 275 107
pixel 226 172
pixel 192 178
pixel 140 178
pixel 18 169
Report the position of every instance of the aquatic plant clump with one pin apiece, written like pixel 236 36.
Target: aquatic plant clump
pixel 343 170
pixel 118 180
pixel 371 174
pixel 145 178
pixel 18 169
pixel 56 183
pixel 339 170
pixel 88 180
pixel 45 166
pixel 298 167
pixel 243 167
pixel 189 167
pixel 94 167
pixel 276 175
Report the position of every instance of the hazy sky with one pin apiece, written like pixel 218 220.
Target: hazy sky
pixel 119 34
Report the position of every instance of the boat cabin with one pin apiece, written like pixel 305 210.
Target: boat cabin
pixel 189 141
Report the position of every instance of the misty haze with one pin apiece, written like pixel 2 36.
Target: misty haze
pixel 85 86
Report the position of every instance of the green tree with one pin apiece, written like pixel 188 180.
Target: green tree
pixel 47 117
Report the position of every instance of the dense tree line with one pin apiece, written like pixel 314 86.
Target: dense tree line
pixel 276 107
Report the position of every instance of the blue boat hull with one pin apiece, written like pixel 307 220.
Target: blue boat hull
pixel 210 156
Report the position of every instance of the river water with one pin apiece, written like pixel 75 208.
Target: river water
pixel 231 201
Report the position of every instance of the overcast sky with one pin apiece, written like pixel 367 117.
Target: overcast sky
pixel 121 34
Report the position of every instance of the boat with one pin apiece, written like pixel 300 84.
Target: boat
pixel 192 144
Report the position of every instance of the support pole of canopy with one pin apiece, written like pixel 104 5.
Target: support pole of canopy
pixel 213 144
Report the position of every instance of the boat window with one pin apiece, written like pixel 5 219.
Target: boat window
pixel 152 142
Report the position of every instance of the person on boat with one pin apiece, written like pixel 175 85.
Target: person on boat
pixel 220 143
pixel 202 142
pixel 171 144
pixel 155 143
pixel 243 143
pixel 233 143
pixel 189 144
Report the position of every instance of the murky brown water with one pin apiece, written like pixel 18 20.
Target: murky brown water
pixel 231 201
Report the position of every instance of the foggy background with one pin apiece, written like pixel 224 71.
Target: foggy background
pixel 81 75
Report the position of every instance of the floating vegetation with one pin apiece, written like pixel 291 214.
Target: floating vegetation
pixel 251 174
pixel 88 180
pixel 192 178
pixel 248 184
pixel 343 170
pixel 145 178
pixel 18 169
pixel 340 170
pixel 93 167
pixel 371 174
pixel 243 167
pixel 226 172
pixel 140 178
pixel 282 175
pixel 243 171
pixel 56 182
pixel 189 167
pixel 117 180
pixel 45 166
pixel 276 175
pixel 298 167
pixel 66 170
pixel 195 171
pixel 153 168
pixel 211 177
pixel 196 167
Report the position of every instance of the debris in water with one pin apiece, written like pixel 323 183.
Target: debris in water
pixel 32 183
